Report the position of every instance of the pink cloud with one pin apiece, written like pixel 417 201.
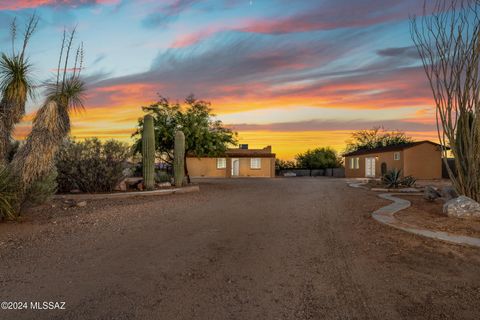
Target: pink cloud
pixel 28 4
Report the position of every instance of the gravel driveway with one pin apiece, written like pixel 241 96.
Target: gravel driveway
pixel 299 248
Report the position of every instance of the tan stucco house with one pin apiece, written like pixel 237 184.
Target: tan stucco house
pixel 422 160
pixel 241 162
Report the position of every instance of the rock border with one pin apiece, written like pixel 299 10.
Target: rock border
pixel 124 195
pixel 386 215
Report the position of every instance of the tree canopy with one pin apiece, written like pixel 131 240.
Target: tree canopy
pixel 374 138
pixel 204 135
pixel 320 158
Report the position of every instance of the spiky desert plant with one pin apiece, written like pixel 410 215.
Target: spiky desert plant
pixel 148 152
pixel 15 86
pixel 179 159
pixel 392 178
pixel 51 125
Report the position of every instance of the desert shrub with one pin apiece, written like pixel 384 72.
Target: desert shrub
pixel 408 181
pixel 91 165
pixel 8 195
pixel 162 176
pixel 43 189
pixel 392 178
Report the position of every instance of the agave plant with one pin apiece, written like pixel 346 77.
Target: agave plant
pixel 392 178
pixel 35 160
pixel 408 181
pixel 15 86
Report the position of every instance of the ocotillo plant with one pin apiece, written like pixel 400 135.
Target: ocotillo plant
pixel 179 158
pixel 148 152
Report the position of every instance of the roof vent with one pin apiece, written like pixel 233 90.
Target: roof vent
pixel 243 146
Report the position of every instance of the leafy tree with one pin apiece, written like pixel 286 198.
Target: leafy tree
pixel 284 164
pixel 320 158
pixel 374 138
pixel 204 135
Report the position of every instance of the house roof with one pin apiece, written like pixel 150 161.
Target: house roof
pixel 248 153
pixel 397 147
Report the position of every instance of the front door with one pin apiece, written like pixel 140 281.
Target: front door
pixel 235 167
pixel 370 167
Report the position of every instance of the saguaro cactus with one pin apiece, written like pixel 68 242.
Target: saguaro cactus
pixel 179 158
pixel 148 153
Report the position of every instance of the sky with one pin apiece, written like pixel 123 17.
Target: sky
pixel 291 74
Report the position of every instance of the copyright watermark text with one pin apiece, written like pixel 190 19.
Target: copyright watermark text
pixel 32 305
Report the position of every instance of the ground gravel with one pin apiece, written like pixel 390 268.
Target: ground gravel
pixel 287 248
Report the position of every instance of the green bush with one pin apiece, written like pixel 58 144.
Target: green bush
pixel 91 165
pixel 42 190
pixel 8 195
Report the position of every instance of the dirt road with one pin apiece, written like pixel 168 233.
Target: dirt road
pixel 240 249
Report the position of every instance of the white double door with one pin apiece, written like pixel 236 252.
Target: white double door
pixel 370 167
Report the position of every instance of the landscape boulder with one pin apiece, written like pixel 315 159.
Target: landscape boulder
pixel 81 204
pixel 431 194
pixel 462 207
pixel 448 193
pixel 164 185
pixel 122 186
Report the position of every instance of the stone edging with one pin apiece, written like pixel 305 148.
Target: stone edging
pixel 386 215
pixel 124 195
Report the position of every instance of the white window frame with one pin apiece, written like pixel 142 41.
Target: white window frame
pixel 256 163
pixel 396 156
pixel 221 163
pixel 355 163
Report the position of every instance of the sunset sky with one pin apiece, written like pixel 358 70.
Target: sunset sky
pixel 291 74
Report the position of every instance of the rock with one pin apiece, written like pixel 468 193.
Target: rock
pixel 430 193
pixel 81 204
pixel 164 184
pixel 69 202
pixel 122 186
pixel 462 207
pixel 140 186
pixel 448 193
pixel 132 183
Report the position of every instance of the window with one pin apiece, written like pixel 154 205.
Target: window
pixel 354 163
pixel 221 163
pixel 255 163
pixel 396 156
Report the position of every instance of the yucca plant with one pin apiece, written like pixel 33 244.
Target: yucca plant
pixel 392 178
pixel 51 125
pixel 15 86
pixel 8 194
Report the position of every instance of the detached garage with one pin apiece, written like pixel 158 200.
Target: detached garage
pixel 422 160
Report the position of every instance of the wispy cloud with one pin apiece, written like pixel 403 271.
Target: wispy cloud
pixel 29 4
